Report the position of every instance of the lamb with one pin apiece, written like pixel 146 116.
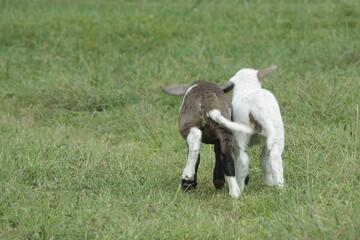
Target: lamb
pixel 258 109
pixel 205 115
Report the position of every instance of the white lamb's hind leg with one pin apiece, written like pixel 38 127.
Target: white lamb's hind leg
pixel 276 167
pixel 241 159
pixel 193 141
pixel 242 168
pixel 265 163
pixel 273 163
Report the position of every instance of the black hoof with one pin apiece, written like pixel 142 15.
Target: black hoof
pixel 247 179
pixel 218 180
pixel 188 184
pixel 219 183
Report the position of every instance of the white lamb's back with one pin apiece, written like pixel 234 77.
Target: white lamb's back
pixel 270 103
pixel 261 105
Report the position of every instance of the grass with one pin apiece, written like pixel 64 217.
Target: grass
pixel 89 145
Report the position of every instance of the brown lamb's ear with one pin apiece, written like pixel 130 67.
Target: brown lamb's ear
pixel 176 90
pixel 264 72
pixel 226 87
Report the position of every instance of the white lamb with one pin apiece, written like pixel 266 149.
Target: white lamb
pixel 257 108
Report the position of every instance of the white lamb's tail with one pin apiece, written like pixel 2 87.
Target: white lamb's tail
pixel 217 117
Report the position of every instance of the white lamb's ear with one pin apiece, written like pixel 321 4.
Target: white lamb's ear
pixel 226 87
pixel 176 90
pixel 264 72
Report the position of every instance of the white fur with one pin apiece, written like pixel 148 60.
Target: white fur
pixel 194 141
pixel 234 190
pixel 250 98
pixel 217 117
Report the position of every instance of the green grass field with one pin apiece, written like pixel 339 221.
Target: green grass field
pixel 89 145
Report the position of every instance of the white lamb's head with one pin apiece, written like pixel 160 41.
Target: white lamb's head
pixel 252 76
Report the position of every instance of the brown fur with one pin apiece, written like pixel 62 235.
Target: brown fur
pixel 206 96
pixel 258 127
pixel 198 102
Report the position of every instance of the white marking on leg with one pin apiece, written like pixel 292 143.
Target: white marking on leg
pixel 234 189
pixel 194 141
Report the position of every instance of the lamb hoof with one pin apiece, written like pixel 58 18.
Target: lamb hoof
pixel 235 193
pixel 218 180
pixel 219 183
pixel 247 179
pixel 188 184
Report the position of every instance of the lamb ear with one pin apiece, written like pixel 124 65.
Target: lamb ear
pixel 176 90
pixel 226 87
pixel 264 72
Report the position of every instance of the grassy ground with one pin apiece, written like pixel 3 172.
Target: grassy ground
pixel 89 147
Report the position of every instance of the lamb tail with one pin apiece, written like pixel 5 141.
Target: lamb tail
pixel 217 117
